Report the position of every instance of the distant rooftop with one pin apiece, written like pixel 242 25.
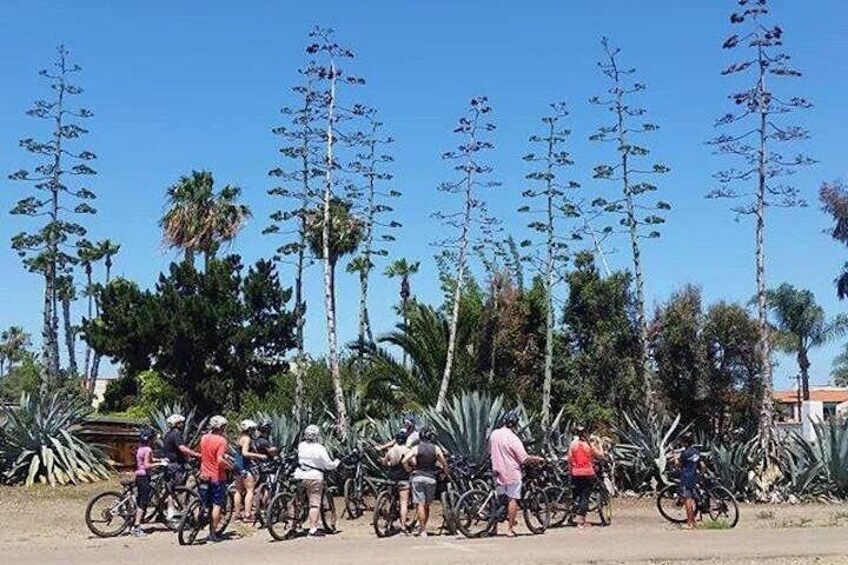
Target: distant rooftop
pixel 828 394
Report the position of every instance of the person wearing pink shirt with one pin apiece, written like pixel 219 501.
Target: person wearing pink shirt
pixel 508 456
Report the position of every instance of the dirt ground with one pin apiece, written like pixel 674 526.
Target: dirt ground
pixel 43 525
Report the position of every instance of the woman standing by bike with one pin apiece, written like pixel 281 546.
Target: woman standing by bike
pixel 313 460
pixel 581 458
pixel 246 457
pixel 393 460
pixel 143 463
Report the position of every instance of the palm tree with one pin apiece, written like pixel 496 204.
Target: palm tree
pixel 403 269
pixel 13 342
pixel 198 220
pixel 109 249
pixel 801 326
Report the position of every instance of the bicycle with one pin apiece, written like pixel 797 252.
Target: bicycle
pixel 479 511
pixel 111 513
pixel 360 491
pixel 197 516
pixel 386 521
pixel 290 508
pixel 464 476
pixel 711 499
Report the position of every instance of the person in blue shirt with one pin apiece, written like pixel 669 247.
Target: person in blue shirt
pixel 689 462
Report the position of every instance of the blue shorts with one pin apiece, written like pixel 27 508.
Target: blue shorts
pixel 688 489
pixel 212 494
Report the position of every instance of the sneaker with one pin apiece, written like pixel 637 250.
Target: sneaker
pixel 214 538
pixel 138 532
pixel 316 534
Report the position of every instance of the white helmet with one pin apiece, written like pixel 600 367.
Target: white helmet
pixel 175 420
pixel 311 433
pixel 217 422
pixel 247 425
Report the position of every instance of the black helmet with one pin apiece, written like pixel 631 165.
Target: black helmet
pixel 146 435
pixel 409 421
pixel 265 426
pixel 511 418
pixel 426 433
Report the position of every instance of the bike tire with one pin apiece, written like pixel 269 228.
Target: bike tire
pixel 195 520
pixel 385 515
pixel 182 498
pixel 329 518
pixel 118 510
pixel 281 517
pixel 476 512
pixel 226 512
pixel 723 506
pixel 448 500
pixel 353 501
pixel 604 506
pixel 559 502
pixel 670 504
pixel 537 514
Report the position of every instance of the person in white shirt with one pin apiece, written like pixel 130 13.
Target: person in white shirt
pixel 313 460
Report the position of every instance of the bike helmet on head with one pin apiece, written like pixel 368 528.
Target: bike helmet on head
pixel 247 425
pixel 146 435
pixel 175 420
pixel 409 421
pixel 265 425
pixel 217 422
pixel 401 436
pixel 511 418
pixel 311 433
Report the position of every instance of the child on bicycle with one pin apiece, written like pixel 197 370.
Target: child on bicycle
pixel 689 461
pixel 144 462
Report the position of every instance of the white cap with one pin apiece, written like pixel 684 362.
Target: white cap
pixel 175 419
pixel 312 433
pixel 248 424
pixel 216 422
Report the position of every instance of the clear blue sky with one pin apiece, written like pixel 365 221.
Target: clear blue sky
pixel 185 85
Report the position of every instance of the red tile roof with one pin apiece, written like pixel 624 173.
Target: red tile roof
pixel 831 395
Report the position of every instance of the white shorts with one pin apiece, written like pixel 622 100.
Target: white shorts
pixel 512 490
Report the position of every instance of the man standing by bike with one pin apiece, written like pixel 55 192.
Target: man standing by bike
pixel 213 472
pixel 689 461
pixel 422 462
pixel 508 456
pixel 175 450
pixel 581 461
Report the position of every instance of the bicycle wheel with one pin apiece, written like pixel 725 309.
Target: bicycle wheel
pixel 604 506
pixel 559 503
pixel 386 515
pixel 110 513
pixel 448 500
pixel 194 521
pixel 670 504
pixel 354 505
pixel 329 518
pixel 476 512
pixel 723 507
pixel 537 515
pixel 226 512
pixel 281 517
pixel 182 498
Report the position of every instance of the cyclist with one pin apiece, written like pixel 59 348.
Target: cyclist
pixel 176 452
pixel 245 459
pixel 393 459
pixel 421 462
pixel 213 472
pixel 313 460
pixel 508 456
pixel 143 463
pixel 408 428
pixel 689 461
pixel 581 459
pixel 263 444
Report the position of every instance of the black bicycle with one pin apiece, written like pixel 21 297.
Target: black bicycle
pixel 712 501
pixel 360 490
pixel 387 520
pixel 197 515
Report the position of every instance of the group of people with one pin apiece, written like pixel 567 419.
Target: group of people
pixel 412 458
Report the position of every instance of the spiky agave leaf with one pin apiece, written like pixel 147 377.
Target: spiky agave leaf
pixel 42 445
pixel 464 425
pixel 194 426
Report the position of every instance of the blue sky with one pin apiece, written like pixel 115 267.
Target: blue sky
pixel 177 86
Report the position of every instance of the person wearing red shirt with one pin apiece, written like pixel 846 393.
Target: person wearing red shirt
pixel 581 459
pixel 213 471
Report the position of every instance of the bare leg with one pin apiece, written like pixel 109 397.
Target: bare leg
pixel 215 522
pixel 249 487
pixel 689 503
pixel 239 497
pixel 404 508
pixel 314 515
pixel 512 516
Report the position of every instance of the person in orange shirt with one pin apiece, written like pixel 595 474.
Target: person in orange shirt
pixel 213 472
pixel 581 458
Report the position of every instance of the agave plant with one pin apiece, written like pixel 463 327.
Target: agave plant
pixel 285 433
pixel 42 444
pixel 734 466
pixel 820 467
pixel 193 428
pixel 644 449
pixel 464 425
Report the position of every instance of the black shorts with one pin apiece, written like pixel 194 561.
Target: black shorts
pixel 143 491
pixel 175 476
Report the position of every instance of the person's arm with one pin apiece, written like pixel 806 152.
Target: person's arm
pixel 409 461
pixel 188 452
pixel 384 446
pixel 221 457
pixel 597 448
pixel 324 461
pixel 440 457
pixel 244 443
pixel 150 462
